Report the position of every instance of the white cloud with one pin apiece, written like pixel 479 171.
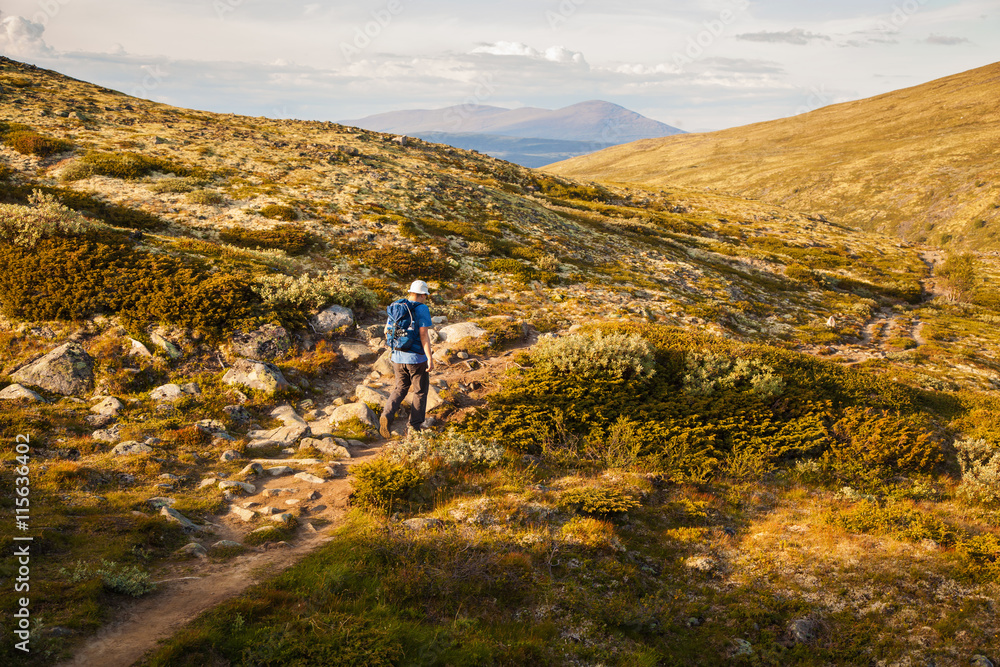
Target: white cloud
pixel 22 38
pixel 553 54
pixel 946 40
pixel 796 36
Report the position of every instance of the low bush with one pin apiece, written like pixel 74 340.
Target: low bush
pixel 980 464
pixel 409 263
pixel 29 142
pixel 426 451
pixel 205 197
pixel 597 501
pixel 124 579
pixel 707 373
pixel 615 356
pixel 382 484
pixel 25 227
pixel 522 273
pixel 894 520
pixel 132 166
pixel 292 239
pixel 292 299
pixel 869 443
pixel 174 185
pixel 280 212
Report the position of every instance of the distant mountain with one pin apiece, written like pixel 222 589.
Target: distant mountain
pixel 920 162
pixel 550 135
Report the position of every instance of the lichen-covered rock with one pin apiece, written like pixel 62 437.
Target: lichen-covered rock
pixel 457 332
pixel 358 411
pixel 370 396
pixel 137 349
pixel 383 366
pixel 230 455
pixel 334 318
pixel 131 448
pixel 66 370
pixel 159 339
pixel 109 406
pixel 258 375
pixel 267 343
pixel 16 392
pixel 356 353
pixel 172 392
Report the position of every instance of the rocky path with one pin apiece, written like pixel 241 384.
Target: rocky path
pixel 188 588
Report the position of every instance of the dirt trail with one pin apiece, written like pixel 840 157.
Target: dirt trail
pixel 190 587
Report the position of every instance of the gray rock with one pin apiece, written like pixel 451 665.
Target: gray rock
pixel 457 332
pixel 329 447
pixel 350 411
pixel 210 481
pixel 16 392
pixel 253 469
pixel 172 350
pixel 284 518
pixel 439 319
pixel 212 426
pixel 237 413
pixel 230 455
pixel 700 563
pixel 283 435
pixel 423 523
pixel 356 353
pixel 112 434
pixel 742 648
pixel 166 392
pixel 100 421
pixel 373 332
pixel 131 448
pixel 139 350
pixel 246 515
pixel 287 416
pixel 370 396
pixel 267 343
pixel 803 630
pixel 109 406
pixel 176 517
pixel 66 370
pixel 233 484
pixel 333 318
pixel 158 502
pixel 278 471
pixel 257 375
pixel 193 549
pixel 383 366
pixel 226 544
pixel 981 661
pixel 191 388
pixel 309 477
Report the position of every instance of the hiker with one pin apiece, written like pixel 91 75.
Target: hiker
pixel 406 330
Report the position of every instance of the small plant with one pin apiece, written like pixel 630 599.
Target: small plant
pixel 293 297
pixel 980 464
pixel 280 212
pixel 29 142
pixel 599 502
pixel 870 443
pixel 707 373
pixel 409 263
pixel 618 356
pixel 479 249
pixel 124 579
pixel 292 239
pixel 382 484
pixel 174 185
pixel 205 197
pixel 425 451
pixel 24 227
pixel 131 166
pixel 896 521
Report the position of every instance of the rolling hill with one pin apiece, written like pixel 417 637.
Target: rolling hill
pixel 919 163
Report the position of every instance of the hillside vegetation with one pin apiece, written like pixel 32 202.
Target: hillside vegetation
pixel 692 429
pixel 918 163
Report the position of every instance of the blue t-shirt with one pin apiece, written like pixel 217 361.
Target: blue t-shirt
pixel 422 314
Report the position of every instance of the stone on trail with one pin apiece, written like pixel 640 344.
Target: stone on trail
pixel 192 549
pixel 131 448
pixel 358 411
pixel 370 396
pixel 176 517
pixel 309 477
pixel 278 471
pixel 233 484
pixel 252 469
pixel 66 370
pixel 226 544
pixel 284 518
pixel 207 482
pixel 454 333
pixel 230 455
pixel 246 515
pixel 257 375
pixel 109 406
pixel 356 353
pixel 16 392
pixel 286 415
pixel 384 365
pixel 333 318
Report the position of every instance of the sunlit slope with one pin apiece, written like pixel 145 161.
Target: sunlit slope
pixel 919 162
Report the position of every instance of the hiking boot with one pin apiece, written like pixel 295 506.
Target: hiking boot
pixel 383 427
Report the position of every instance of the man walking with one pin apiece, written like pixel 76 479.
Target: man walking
pixel 406 332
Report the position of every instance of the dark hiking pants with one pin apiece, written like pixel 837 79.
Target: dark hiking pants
pixel 406 375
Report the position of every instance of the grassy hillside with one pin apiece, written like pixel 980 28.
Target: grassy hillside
pixel 917 163
pixel 772 439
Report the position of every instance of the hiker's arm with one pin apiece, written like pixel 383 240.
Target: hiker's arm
pixel 425 342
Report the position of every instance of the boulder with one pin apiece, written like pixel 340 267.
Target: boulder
pixel 66 370
pixel 131 448
pixel 172 392
pixel 309 477
pixel 233 484
pixel 267 343
pixel 279 471
pixel 456 332
pixel 383 366
pixel 226 544
pixel 284 518
pixel 356 353
pixel 370 396
pixel 287 416
pixel 246 515
pixel 330 447
pixel 139 350
pixel 193 550
pixel 434 399
pixel 237 413
pixel 373 332
pixel 283 435
pixel 334 318
pixel 112 434
pixel 439 319
pixel 172 350
pixel 230 455
pixel 803 630
pixel 350 411
pixel 176 517
pixel 252 469
pixel 418 524
pixel 16 392
pixel 257 375
pixel 109 406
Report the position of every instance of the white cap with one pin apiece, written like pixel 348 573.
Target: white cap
pixel 419 287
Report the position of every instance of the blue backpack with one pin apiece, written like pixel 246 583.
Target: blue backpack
pixel 401 331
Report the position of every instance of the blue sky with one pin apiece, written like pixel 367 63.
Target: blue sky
pixel 699 65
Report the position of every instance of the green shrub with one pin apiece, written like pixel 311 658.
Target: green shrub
pixel 587 356
pixel 707 373
pixel 205 197
pixel 266 534
pixel 29 142
pixel 132 166
pixel 24 227
pixel 980 464
pixel 113 214
pixel 426 451
pixel 382 485
pixel 521 273
pixel 292 239
pixel 409 263
pixel 595 501
pixel 124 579
pixel 292 299
pixel 895 521
pixel 280 212
pixel 870 442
